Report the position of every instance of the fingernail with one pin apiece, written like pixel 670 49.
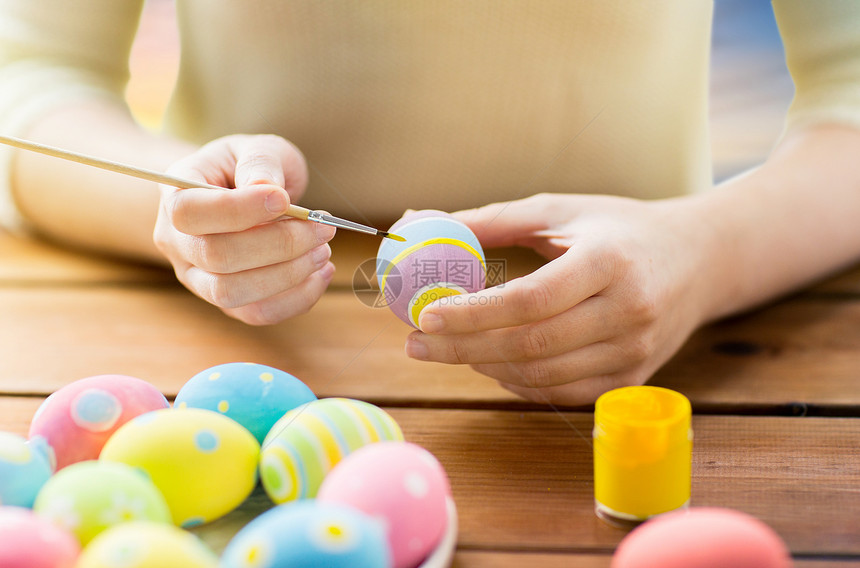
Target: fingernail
pixel 416 349
pixel 430 323
pixel 276 202
pixel 327 271
pixel 321 255
pixel 324 232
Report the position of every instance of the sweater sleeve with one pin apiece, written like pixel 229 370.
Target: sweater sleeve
pixel 822 48
pixel 53 53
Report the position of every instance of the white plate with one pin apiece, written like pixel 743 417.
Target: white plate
pixel 444 553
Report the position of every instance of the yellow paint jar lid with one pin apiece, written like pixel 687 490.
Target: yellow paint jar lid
pixel 626 417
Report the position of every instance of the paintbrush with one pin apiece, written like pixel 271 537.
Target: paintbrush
pixel 294 210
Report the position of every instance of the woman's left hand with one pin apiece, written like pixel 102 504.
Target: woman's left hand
pixel 626 285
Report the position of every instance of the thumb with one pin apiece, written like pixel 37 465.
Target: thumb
pixel 509 223
pixel 270 160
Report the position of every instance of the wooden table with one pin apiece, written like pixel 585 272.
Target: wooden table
pixel 776 397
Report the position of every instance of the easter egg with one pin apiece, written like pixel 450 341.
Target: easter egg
pixel 702 537
pixel 87 497
pixel 23 470
pixel 308 441
pixel 253 395
pixel 204 463
pixel 77 419
pixel 30 541
pixel 440 257
pixel 142 544
pixel 399 482
pixel 308 534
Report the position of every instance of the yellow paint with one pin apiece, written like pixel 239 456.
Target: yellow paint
pixel 440 241
pixel 427 297
pixel 642 452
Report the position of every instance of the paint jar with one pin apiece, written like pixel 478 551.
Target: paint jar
pixel 643 445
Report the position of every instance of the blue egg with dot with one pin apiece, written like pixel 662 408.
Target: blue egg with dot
pixel 253 395
pixel 24 469
pixel 309 534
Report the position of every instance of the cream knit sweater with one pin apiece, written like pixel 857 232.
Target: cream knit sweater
pixel 445 103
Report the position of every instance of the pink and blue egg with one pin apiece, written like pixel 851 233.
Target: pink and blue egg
pixel 74 422
pixel 440 257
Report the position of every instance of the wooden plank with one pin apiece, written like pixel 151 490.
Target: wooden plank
pixel 530 472
pixel 28 262
pixel 801 354
pixel 475 559
pixel 482 559
pixel 796 353
pixel 165 336
pixel 17 412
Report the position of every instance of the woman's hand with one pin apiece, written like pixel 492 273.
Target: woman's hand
pixel 228 247
pixel 624 288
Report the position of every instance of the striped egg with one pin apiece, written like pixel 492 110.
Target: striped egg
pixel 309 441
pixel 440 257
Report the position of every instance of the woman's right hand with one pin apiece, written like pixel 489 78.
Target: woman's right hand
pixel 228 247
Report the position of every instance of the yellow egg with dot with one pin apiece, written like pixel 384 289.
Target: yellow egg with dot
pixel 204 463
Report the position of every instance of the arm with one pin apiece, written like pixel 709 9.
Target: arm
pixel 64 72
pixel 630 280
pixel 86 207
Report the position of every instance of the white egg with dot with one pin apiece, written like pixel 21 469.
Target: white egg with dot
pixel 142 544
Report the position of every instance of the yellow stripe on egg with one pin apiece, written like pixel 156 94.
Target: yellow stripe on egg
pixel 438 241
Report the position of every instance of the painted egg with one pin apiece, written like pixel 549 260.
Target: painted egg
pixel 401 483
pixel 308 534
pixel 77 419
pixel 702 538
pixel 23 470
pixel 30 541
pixel 142 544
pixel 88 497
pixel 308 441
pixel 441 257
pixel 204 463
pixel 253 395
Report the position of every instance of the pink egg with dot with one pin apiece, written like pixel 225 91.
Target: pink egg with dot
pixel 403 485
pixel 30 541
pixel 77 420
pixel 702 538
